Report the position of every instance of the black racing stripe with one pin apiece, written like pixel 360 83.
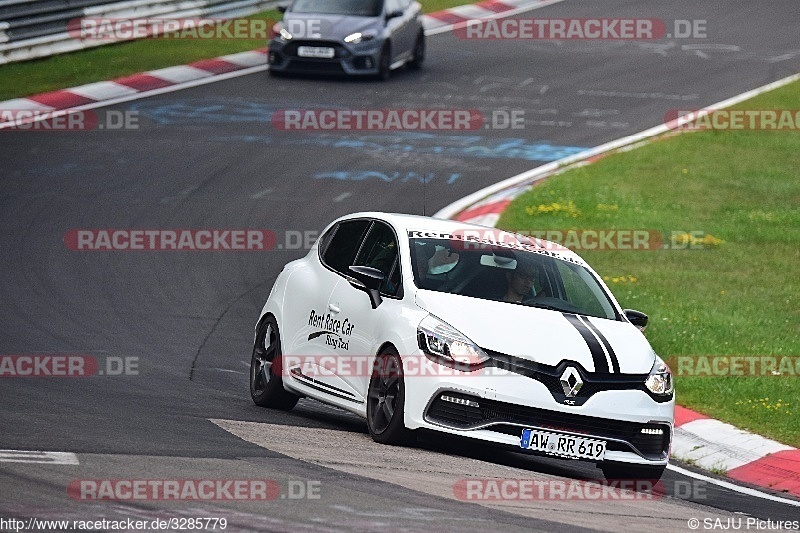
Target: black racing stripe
pixel 316 334
pixel 604 340
pixel 598 355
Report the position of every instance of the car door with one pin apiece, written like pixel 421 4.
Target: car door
pixel 306 314
pixel 361 324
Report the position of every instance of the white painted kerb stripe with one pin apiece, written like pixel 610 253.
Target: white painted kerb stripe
pixel 102 90
pixel 53 458
pixel 23 104
pixel 180 73
pixel 470 11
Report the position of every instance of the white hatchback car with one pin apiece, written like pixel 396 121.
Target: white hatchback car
pixel 420 323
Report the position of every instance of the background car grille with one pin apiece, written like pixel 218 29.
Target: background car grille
pixel 316 66
pixel 499 415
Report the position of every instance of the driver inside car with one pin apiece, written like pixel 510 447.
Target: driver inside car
pixel 520 283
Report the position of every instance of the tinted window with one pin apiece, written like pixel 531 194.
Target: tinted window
pixel 363 8
pixel 508 275
pixel 380 251
pixel 393 5
pixel 344 243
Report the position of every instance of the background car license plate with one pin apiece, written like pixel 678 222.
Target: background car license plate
pixel 315 51
pixel 562 445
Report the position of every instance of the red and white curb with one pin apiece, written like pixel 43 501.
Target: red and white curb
pixel 744 456
pixel 137 85
pixel 699 440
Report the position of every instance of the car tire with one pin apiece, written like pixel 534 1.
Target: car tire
pixel 385 63
pixel 266 382
pixel 386 400
pixel 630 472
pixel 419 52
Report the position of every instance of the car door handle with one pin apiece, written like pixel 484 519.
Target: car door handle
pixel 333 308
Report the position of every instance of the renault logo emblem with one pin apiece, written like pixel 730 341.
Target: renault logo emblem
pixel 571 382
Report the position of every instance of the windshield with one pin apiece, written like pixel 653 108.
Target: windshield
pixel 506 275
pixel 360 8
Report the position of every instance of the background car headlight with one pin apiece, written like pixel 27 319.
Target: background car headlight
pixel 358 37
pixel 659 381
pixel 447 345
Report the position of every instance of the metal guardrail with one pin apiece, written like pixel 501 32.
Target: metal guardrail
pixel 39 28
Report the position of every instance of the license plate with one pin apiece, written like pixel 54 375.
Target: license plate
pixel 562 445
pixel 315 51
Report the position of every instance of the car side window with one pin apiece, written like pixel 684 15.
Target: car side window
pixel 393 5
pixel 342 246
pixel 380 251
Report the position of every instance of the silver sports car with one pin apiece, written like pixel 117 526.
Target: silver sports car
pixel 354 37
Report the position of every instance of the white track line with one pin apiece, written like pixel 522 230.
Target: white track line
pixel 51 458
pixel 731 486
pixel 460 205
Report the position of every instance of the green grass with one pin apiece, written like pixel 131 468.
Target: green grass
pixel 740 297
pixel 114 61
pixel 122 59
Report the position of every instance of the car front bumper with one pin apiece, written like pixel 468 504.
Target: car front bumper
pixel 497 408
pixel 360 59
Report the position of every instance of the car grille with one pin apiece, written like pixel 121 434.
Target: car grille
pixel 550 377
pixel 473 412
pixel 315 65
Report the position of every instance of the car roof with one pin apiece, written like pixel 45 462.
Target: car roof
pixel 405 223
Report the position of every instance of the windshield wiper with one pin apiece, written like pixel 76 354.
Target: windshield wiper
pixel 549 307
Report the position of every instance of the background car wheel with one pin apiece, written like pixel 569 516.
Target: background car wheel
pixel 629 472
pixel 266 383
pixel 419 52
pixel 386 400
pixel 385 63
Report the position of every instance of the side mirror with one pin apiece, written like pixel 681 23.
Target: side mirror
pixel 637 318
pixel 394 14
pixel 282 9
pixel 371 280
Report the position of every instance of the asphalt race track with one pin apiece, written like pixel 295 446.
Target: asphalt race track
pixel 209 158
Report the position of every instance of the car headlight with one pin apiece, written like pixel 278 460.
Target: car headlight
pixel 659 382
pixel 358 37
pixel 448 346
pixel 281 32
